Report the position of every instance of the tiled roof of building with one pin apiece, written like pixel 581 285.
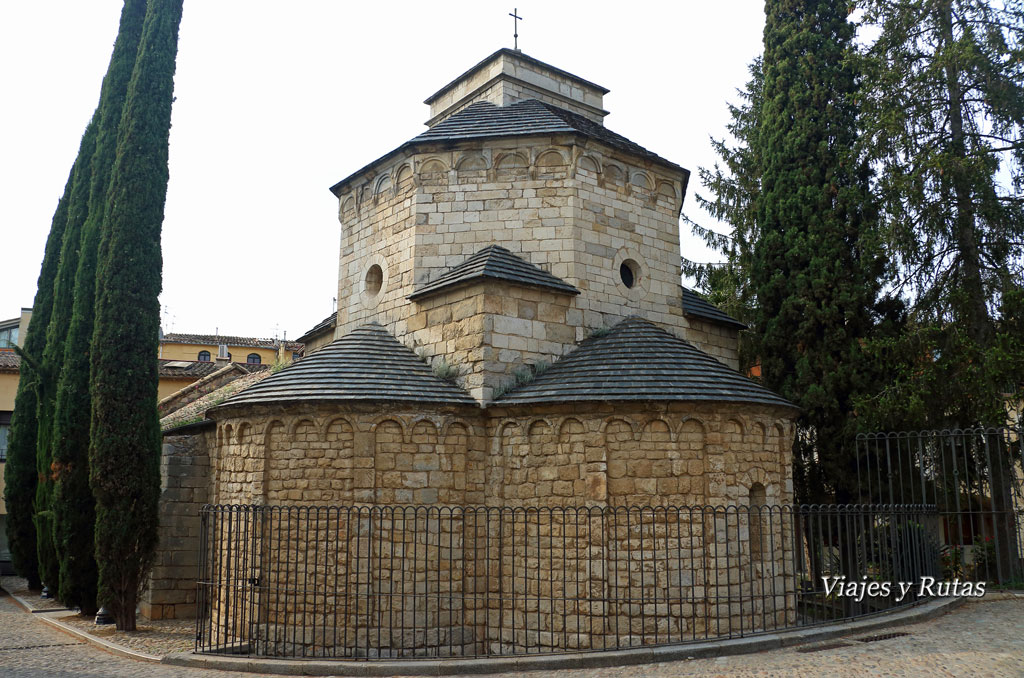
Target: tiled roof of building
pixel 639 361
pixel 195 411
pixel 483 119
pixel 196 369
pixel 367 364
pixel 216 340
pixel 497 263
pixel 328 322
pixel 9 361
pixel 695 305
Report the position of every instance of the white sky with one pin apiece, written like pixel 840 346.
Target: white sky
pixel 277 101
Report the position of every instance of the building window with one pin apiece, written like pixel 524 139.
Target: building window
pixel 629 272
pixel 253 359
pixel 8 337
pixel 4 428
pixel 204 356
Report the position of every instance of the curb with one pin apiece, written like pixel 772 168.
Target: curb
pixel 24 604
pixel 99 642
pixel 78 633
pixel 451 667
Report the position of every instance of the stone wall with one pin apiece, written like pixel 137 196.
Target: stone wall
pixel 580 213
pixel 720 341
pixel 558 455
pixel 184 488
pixel 532 466
pixel 488 330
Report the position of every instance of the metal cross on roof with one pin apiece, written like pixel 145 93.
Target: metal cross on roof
pixel 515 26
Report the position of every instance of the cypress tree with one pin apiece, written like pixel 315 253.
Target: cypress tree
pixel 74 513
pixel 20 472
pixel 124 452
pixel 815 267
pixel 53 355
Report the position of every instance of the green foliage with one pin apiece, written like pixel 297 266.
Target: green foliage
pixel 53 357
pixel 124 451
pixel 445 371
pixel 21 473
pixel 943 103
pixel 73 505
pixel 732 188
pixel 814 265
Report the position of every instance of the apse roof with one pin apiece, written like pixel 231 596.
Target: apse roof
pixel 638 361
pixel 497 263
pixel 366 364
pixel 695 305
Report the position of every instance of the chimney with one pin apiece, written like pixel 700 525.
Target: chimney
pixel 223 357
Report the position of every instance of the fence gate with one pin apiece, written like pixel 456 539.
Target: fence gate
pixel 975 479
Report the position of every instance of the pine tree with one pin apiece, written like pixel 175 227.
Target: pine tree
pixel 74 512
pixel 943 103
pixel 733 187
pixel 815 267
pixel 20 473
pixel 124 451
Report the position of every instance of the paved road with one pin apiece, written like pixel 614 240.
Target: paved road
pixel 984 640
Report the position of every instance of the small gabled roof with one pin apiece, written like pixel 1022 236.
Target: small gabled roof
pixel 638 361
pixel 367 364
pixel 696 305
pixel 327 323
pixel 197 369
pixel 497 263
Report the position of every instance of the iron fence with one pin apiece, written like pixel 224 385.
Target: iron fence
pixel 412 581
pixel 974 478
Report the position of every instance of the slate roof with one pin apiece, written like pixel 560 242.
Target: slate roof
pixel 497 263
pixel 695 305
pixel 367 364
pixel 638 361
pixel 216 340
pixel 9 361
pixel 328 322
pixel 484 119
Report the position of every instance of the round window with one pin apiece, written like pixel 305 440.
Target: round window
pixel 374 279
pixel 629 273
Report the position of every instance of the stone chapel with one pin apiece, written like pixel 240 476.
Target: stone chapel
pixel 511 329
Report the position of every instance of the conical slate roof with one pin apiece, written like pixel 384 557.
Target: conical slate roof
pixel 497 263
pixel 639 361
pixel 366 364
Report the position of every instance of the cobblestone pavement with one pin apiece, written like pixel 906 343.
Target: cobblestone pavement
pixel 984 639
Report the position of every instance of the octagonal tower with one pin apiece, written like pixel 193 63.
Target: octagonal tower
pixel 514 227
